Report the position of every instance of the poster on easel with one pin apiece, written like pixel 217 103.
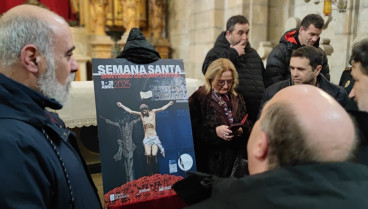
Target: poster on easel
pixel 144 128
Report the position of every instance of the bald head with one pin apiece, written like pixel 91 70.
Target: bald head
pixel 36 12
pixel 36 48
pixel 24 25
pixel 328 129
pixel 300 124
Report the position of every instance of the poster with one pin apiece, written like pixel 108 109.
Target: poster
pixel 144 128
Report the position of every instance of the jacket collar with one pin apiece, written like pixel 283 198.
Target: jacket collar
pixel 289 38
pixel 23 103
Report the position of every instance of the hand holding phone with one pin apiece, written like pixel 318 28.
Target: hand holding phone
pixel 236 128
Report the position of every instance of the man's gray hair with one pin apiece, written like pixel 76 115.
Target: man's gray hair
pixel 286 138
pixel 18 31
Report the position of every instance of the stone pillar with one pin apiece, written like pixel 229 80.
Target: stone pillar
pixel 131 15
pixel 258 21
pixel 156 26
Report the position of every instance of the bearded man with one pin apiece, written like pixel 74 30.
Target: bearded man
pixel 42 166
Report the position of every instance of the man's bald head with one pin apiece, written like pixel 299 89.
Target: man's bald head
pixel 28 24
pixel 301 124
pixel 37 12
pixel 36 49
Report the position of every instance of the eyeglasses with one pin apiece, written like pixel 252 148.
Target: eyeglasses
pixel 221 83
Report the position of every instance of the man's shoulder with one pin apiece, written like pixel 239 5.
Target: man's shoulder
pixel 331 87
pixel 13 126
pixel 282 50
pixel 274 88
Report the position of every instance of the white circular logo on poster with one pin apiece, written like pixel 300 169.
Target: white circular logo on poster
pixel 185 162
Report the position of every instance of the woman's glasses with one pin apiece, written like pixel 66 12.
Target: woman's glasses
pixel 221 83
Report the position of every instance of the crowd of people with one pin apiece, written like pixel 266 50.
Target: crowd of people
pixel 304 151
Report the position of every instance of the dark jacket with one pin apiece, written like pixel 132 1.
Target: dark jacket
pixel 317 186
pixel 277 68
pixel 361 121
pixel 38 154
pixel 214 155
pixel 335 91
pixel 347 82
pixel 249 67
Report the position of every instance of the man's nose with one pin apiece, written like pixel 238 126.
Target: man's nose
pixel 73 65
pixel 295 73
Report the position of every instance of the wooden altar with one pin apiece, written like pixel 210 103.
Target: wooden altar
pixel 96 16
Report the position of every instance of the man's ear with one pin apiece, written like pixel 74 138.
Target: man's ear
pixel 318 69
pixel 29 58
pixel 227 34
pixel 301 29
pixel 262 146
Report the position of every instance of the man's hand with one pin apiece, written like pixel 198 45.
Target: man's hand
pixel 119 104
pixel 239 47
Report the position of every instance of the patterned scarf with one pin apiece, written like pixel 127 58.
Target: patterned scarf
pixel 224 101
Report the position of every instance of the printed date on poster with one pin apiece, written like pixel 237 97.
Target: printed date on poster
pixel 116 84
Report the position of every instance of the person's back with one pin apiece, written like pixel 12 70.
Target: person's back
pixel 295 160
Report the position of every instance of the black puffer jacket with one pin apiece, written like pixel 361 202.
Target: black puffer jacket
pixel 278 61
pixel 317 186
pixel 335 91
pixel 250 69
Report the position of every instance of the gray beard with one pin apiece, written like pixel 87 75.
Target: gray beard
pixel 50 86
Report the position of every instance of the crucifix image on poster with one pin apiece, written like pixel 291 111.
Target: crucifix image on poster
pixel 151 141
pixel 126 146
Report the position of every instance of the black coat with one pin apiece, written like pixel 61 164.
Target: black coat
pixel 35 169
pixel 277 68
pixel 335 91
pixel 361 119
pixel 249 67
pixel 214 155
pixel 317 186
pixel 347 82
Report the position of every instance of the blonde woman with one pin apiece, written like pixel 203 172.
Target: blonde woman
pixel 214 107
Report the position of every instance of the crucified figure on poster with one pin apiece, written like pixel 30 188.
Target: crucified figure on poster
pixel 151 142
pixel 126 145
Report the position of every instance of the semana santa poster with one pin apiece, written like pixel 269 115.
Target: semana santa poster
pixel 144 128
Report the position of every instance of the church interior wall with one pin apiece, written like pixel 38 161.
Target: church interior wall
pixel 269 19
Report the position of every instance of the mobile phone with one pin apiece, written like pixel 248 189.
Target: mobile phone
pixel 234 128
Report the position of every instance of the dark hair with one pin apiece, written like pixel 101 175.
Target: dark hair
pixel 314 19
pixel 287 139
pixel 235 19
pixel 360 54
pixel 313 54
